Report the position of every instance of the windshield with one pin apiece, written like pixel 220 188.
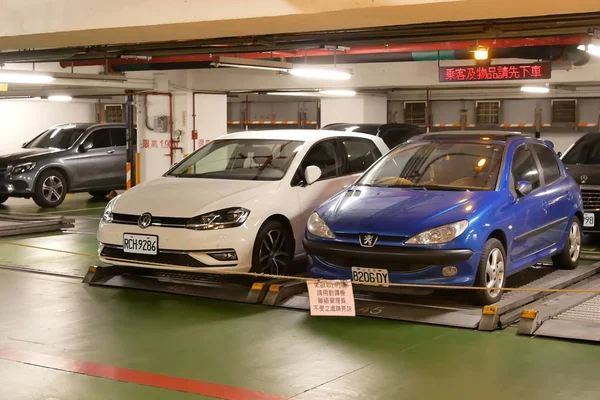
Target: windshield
pixel 585 151
pixel 61 137
pixel 241 159
pixel 439 166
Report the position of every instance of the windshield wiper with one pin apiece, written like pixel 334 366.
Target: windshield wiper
pixel 442 187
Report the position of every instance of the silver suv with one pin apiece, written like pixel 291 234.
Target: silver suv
pixel 67 158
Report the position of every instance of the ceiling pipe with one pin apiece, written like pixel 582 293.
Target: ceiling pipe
pixel 316 52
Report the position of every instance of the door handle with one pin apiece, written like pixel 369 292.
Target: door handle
pixel 110 151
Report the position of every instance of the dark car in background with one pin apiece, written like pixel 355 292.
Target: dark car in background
pixel 582 161
pixel 67 158
pixel 392 134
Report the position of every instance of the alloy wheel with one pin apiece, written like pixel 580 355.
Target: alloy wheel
pixel 574 242
pixel 273 255
pixel 52 189
pixel 494 272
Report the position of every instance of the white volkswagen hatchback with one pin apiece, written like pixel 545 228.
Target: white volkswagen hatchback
pixel 239 203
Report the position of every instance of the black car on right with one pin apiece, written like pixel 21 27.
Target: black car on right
pixel 582 160
pixel 392 134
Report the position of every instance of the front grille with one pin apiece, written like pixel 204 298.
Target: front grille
pixel 395 267
pixel 183 260
pixel 168 222
pixel 591 199
pixel 382 240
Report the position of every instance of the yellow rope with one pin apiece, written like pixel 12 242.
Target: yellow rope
pixel 300 278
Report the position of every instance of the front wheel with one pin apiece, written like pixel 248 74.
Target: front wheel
pixel 491 274
pixel 50 189
pixel 568 258
pixel 273 249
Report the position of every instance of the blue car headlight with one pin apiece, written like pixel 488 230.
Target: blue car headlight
pixel 441 234
pixel 107 216
pixel 22 168
pixel 317 227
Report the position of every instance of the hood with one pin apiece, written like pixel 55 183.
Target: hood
pixel 25 155
pixel 584 174
pixel 399 212
pixel 189 197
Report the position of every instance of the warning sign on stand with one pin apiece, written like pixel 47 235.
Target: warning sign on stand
pixel 333 298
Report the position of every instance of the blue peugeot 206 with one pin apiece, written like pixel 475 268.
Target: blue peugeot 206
pixel 454 208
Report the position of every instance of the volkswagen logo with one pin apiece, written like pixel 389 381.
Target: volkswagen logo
pixel 583 178
pixel 145 220
pixel 367 240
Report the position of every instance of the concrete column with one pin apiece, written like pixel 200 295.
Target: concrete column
pixel 355 110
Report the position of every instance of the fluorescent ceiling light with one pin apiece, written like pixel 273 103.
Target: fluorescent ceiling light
pixel 321 73
pixel 253 67
pixel 317 93
pixel 337 92
pixel 60 98
pixel 21 77
pixel 535 89
pixel 590 48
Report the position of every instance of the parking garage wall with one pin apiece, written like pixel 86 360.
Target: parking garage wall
pixel 22 120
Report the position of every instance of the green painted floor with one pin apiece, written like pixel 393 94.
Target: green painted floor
pixel 277 351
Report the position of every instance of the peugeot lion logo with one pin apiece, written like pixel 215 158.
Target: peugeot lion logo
pixel 145 220
pixel 367 240
pixel 583 178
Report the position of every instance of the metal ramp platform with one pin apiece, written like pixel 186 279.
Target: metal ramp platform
pixel 243 289
pixel 446 309
pixel 573 316
pixel 11 225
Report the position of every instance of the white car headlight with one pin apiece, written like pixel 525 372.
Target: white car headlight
pixel 22 168
pixel 316 226
pixel 107 216
pixel 441 234
pixel 226 218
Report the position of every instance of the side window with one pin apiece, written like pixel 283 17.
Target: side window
pixel 394 137
pixel 118 136
pixel 550 167
pixel 324 156
pixel 361 153
pixel 99 138
pixel 524 167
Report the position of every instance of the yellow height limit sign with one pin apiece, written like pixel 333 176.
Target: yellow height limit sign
pixel 3 87
pixel 331 298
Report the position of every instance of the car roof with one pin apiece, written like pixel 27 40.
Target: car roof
pixel 86 125
pixel 305 135
pixel 369 128
pixel 483 136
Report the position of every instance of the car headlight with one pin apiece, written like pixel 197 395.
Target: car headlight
pixel 441 234
pixel 316 226
pixel 107 216
pixel 22 168
pixel 226 218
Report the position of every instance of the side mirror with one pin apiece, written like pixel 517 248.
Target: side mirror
pixel 523 188
pixel 312 174
pixel 85 147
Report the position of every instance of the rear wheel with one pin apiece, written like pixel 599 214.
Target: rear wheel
pixel 50 189
pixel 273 249
pixel 99 194
pixel 568 258
pixel 490 274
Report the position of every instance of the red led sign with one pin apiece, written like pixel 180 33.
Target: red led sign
pixel 506 72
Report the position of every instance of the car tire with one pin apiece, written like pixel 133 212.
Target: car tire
pixel 568 258
pixel 99 194
pixel 3 199
pixel 50 189
pixel 273 249
pixel 492 268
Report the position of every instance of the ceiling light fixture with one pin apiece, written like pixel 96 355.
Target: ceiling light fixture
pixel 535 89
pixel 338 92
pixel 321 73
pixel 317 93
pixel 24 77
pixel 590 48
pixel 60 98
pixel 480 52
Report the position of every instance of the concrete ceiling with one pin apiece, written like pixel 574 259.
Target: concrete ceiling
pixel 26 24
